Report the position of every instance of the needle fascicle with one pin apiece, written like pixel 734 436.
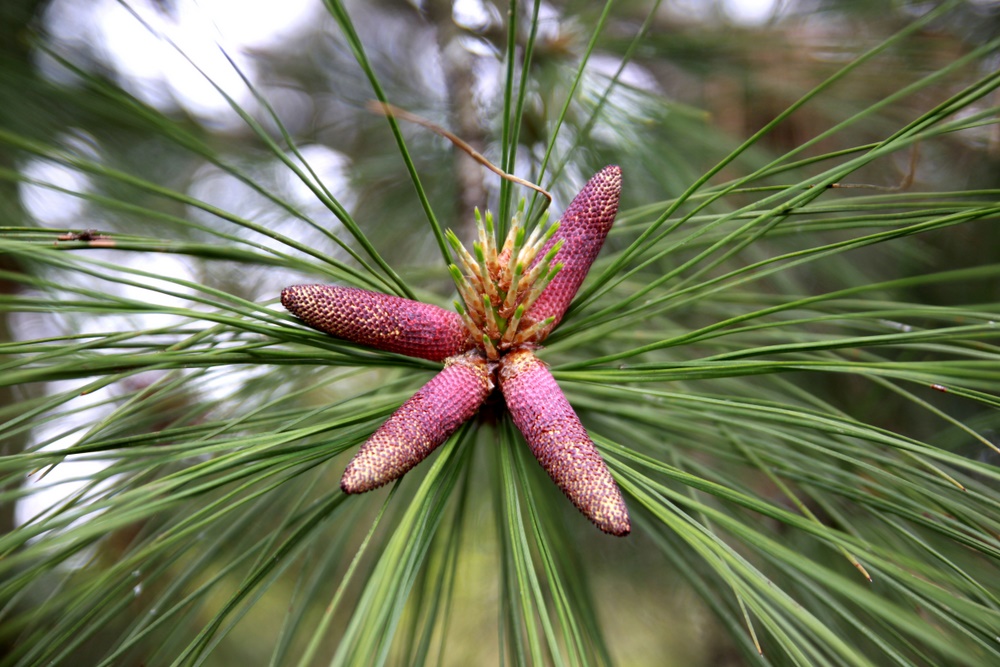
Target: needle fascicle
pixel 512 289
pixel 498 287
pixel 489 348
pixel 509 334
pixel 539 286
pixel 532 332
pixel 470 324
pixel 490 247
pixel 490 319
pixel 543 266
pixel 489 281
pixel 468 263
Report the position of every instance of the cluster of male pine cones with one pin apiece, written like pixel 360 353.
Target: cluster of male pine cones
pixel 514 295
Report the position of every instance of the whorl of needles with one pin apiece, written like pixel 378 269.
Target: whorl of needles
pixel 498 285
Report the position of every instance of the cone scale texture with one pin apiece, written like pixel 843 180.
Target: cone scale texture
pixel 382 321
pixel 420 424
pixel 583 229
pixel 559 441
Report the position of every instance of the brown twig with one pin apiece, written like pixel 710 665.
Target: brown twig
pixel 387 109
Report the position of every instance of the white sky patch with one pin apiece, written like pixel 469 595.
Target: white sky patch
pixel 472 14
pixel 55 206
pixel 221 189
pixel 330 167
pixel 633 75
pixel 152 62
pixel 549 22
pixel 253 24
pixel 750 12
pixel 224 191
pixel 50 207
pixel 154 290
pixel 69 477
pixel 159 72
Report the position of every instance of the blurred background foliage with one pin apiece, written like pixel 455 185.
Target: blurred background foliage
pixel 795 382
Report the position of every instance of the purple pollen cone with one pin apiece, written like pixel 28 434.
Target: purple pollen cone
pixel 583 227
pixel 382 321
pixel 420 424
pixel 559 441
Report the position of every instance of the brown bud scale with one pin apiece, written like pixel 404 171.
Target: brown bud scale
pixel 584 227
pixel 382 321
pixel 559 441
pixel 420 424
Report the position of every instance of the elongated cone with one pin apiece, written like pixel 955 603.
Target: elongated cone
pixel 379 320
pixel 559 442
pixel 421 423
pixel 584 226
